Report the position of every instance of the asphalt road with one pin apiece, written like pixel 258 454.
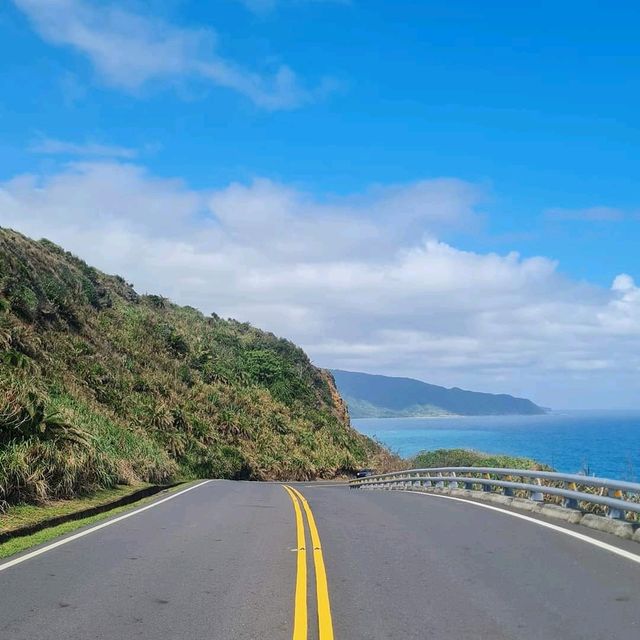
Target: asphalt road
pixel 223 561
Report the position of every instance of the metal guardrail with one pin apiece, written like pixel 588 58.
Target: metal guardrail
pixel 617 496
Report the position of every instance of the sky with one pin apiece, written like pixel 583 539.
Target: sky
pixel 441 190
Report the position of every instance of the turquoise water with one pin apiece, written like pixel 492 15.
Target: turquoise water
pixel 608 443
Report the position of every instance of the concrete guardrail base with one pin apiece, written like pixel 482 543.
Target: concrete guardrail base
pixel 616 527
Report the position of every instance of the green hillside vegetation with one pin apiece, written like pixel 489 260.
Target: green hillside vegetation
pixel 101 386
pixel 470 458
pixel 359 408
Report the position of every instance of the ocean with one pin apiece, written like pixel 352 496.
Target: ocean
pixel 607 443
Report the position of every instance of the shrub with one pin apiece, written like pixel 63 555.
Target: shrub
pixel 469 458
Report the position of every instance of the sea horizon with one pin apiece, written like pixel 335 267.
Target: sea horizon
pixel 603 442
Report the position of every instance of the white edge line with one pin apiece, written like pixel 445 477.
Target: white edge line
pixel 86 532
pixel 574 534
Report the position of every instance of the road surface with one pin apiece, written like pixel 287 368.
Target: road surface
pixel 228 561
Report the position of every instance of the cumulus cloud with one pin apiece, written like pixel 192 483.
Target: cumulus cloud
pixel 343 277
pixel 129 50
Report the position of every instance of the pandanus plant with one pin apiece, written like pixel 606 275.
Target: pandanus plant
pixel 23 416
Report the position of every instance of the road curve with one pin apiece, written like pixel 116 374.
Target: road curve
pixel 222 561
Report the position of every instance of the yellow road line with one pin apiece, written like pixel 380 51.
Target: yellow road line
pixel 325 624
pixel 300 609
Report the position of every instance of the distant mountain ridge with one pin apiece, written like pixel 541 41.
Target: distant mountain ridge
pixel 376 396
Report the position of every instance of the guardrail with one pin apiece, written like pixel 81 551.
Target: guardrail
pixel 616 496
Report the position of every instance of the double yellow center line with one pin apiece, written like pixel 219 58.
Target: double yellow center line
pixel 300 618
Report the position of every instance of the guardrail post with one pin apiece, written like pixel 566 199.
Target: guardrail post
pixel 486 487
pixel 537 496
pixel 508 491
pixel 428 483
pixel 570 503
pixel 454 483
pixel 613 512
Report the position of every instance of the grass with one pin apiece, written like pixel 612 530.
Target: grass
pixel 101 386
pixel 24 515
pixel 18 545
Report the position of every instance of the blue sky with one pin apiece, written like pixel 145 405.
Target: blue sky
pixel 352 111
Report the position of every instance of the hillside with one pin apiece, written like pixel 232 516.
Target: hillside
pixel 100 385
pixel 373 396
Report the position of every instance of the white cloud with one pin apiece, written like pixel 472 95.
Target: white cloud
pixel 129 50
pixel 343 277
pixel 623 283
pixel 51 146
